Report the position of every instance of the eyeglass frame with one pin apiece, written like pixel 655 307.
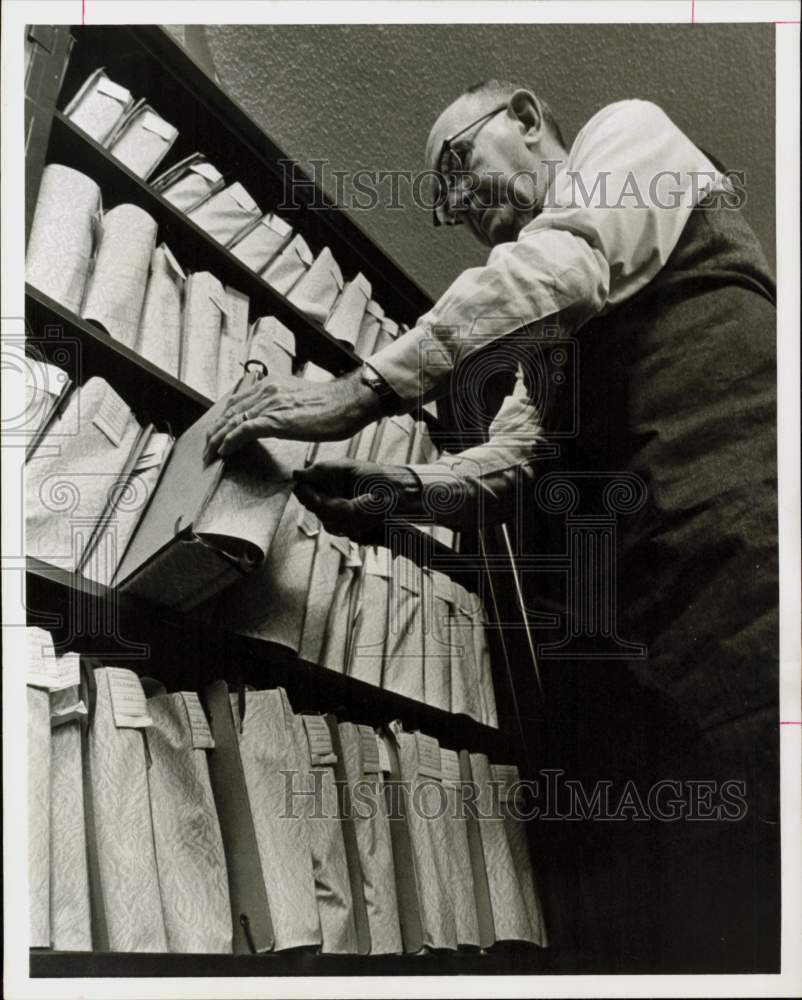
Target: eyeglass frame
pixel 446 148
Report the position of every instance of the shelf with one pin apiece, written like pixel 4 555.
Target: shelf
pixel 151 64
pixel 509 959
pixel 59 336
pixel 188 653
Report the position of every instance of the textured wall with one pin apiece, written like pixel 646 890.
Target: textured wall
pixel 365 97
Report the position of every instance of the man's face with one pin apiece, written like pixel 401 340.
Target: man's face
pixel 503 164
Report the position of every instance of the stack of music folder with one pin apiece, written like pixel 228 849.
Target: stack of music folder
pixel 130 129
pixel 110 268
pixel 223 821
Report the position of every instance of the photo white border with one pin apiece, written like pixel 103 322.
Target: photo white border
pixel 15 13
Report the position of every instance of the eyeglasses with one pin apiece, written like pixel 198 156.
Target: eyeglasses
pixel 450 165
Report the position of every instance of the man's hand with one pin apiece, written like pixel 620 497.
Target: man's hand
pixel 295 408
pixel 355 498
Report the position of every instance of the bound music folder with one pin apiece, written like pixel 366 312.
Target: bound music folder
pixel 207 525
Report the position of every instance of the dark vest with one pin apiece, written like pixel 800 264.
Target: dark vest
pixel 671 478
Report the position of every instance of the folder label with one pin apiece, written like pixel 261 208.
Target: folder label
pixel 112 416
pixel 198 723
pixel 45 669
pixel 321 750
pixel 128 702
pixel 370 750
pixel 428 756
pixel 449 763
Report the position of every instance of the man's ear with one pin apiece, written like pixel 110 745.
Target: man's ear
pixel 526 108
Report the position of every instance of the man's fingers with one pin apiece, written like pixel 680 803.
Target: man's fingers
pixel 240 434
pixel 248 402
pixel 334 478
pixel 308 496
pixel 338 516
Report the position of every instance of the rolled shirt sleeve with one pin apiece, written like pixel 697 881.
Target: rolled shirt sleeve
pixel 611 218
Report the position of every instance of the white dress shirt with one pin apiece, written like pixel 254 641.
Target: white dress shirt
pixel 612 215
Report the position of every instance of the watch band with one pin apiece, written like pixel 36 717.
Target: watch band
pixel 390 400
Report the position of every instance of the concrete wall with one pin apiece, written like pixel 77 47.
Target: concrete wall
pixel 364 97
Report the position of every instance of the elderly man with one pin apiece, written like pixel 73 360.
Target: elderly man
pixel 629 246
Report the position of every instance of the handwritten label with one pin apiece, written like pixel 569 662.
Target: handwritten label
pixel 370 750
pixel 41 658
pixel 321 750
pixel 237 317
pixel 449 767
pixel 198 723
pixel 45 669
pixel 128 703
pixel 428 756
pixel 112 417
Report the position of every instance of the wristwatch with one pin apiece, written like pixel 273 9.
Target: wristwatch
pixel 390 400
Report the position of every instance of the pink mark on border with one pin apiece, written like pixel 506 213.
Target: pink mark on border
pixel 83 11
pixel 792 722
pixel 693 11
